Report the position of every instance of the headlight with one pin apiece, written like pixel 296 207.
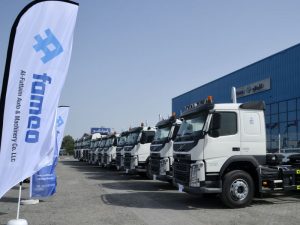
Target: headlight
pixel 195 174
pixel 163 167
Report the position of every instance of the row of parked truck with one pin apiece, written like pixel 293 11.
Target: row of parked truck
pixel 210 149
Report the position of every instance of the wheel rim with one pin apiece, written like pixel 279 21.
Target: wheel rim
pixel 239 189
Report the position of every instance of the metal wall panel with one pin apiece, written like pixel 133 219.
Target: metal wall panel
pixel 283 69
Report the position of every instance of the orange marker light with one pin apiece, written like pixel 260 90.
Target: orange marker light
pixel 209 99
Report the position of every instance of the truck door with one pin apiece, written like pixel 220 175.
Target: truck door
pixel 253 134
pixel 222 140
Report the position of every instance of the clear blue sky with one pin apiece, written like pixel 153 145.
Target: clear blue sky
pixel 131 57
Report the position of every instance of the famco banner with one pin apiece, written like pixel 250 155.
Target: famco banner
pixel 38 58
pixel 43 183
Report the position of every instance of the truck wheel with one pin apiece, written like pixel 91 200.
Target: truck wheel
pixel 238 189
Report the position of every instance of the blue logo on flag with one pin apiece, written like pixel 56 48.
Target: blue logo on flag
pixel 59 121
pixel 50 46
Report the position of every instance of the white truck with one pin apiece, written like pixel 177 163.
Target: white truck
pixel 79 148
pixel 95 153
pixel 120 150
pixel 137 150
pixel 221 148
pixel 101 151
pixel 161 149
pixel 110 150
pixel 92 148
pixel 86 146
pixel 76 149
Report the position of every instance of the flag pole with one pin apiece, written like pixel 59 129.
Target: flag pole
pixel 19 200
pixel 18 221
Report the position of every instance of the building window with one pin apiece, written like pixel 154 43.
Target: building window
pixel 274 118
pixel 283 117
pixel 292 116
pixel 292 105
pixel 282 107
pixel 268 110
pixel 298 103
pixel 274 108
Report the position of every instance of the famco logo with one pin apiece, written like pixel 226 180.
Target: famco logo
pixel 51 48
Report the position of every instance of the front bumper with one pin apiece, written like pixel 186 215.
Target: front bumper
pixel 130 162
pixel 190 176
pixel 119 161
pixel 160 166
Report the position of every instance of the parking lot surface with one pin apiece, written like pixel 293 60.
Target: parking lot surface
pixel 92 195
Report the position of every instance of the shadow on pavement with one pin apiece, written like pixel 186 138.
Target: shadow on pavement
pixel 162 200
pixel 9 199
pixel 100 173
pixel 178 201
pixel 140 186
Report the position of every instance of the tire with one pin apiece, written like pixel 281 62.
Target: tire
pixel 238 189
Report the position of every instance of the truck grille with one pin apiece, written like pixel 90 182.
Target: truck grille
pixel 100 157
pixel 106 159
pixel 155 164
pixel 118 160
pixel 182 172
pixel 127 161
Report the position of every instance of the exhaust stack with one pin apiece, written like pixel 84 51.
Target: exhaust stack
pixel 233 95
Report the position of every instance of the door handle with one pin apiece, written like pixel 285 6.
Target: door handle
pixel 235 149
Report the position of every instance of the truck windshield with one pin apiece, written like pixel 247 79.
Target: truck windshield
pixel 92 144
pixel 102 144
pixel 192 124
pixel 109 142
pixel 122 141
pixel 97 144
pixel 132 138
pixel 162 133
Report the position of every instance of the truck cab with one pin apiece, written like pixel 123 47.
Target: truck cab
pixel 221 148
pixel 95 153
pixel 110 150
pixel 92 148
pixel 87 147
pixel 161 148
pixel 120 150
pixel 80 148
pixel 76 144
pixel 101 151
pixel 137 150
pixel 90 151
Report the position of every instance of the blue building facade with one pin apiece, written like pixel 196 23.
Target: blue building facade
pixel 276 80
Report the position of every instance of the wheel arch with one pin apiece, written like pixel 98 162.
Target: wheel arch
pixel 249 164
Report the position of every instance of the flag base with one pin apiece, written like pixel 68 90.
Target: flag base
pixel 17 222
pixel 30 202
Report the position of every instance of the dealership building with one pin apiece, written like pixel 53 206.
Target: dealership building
pixel 275 80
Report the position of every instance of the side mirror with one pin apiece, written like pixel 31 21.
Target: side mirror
pixel 215 122
pixel 143 139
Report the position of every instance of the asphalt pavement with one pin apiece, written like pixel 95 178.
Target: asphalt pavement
pixel 94 196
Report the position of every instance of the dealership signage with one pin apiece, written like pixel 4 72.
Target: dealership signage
pixel 193 105
pixel 101 130
pixel 37 63
pixel 254 88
